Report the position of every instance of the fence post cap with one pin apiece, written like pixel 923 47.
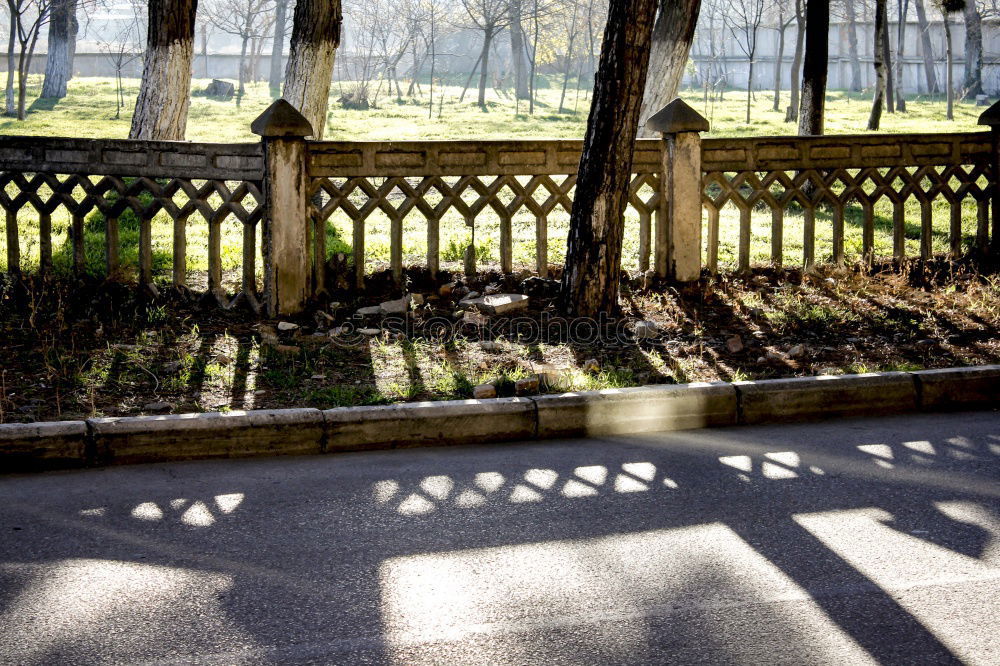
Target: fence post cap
pixel 677 116
pixel 281 119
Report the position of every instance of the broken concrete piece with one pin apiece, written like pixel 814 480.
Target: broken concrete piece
pixel 497 303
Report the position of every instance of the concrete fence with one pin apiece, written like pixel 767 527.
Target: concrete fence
pixel 684 190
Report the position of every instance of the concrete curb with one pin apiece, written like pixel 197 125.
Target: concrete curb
pixel 106 441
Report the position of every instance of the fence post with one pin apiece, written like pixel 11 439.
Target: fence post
pixel 285 188
pixel 678 229
pixel 991 117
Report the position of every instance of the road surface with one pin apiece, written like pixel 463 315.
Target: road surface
pixel 865 541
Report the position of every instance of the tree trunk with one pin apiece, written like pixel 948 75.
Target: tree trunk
pixel 24 66
pixel 925 48
pixel 949 74
pixel 277 48
pixel 9 110
pixel 569 61
pixel 890 91
pixel 852 46
pixel 484 59
pixel 749 88
pixel 880 65
pixel 57 64
pixel 593 253
pixel 517 50
pixel 315 38
pixel 973 50
pixel 813 100
pixel 162 107
pixel 777 64
pixel 792 114
pixel 902 7
pixel 671 43
pixel 240 89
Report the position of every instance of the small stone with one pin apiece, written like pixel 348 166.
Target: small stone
pixel 446 289
pixel 591 366
pixel 853 341
pixel 318 377
pixel 484 392
pixel 926 344
pixel 489 346
pixel 259 392
pixel 645 329
pixel 774 356
pixel 460 292
pixel 397 306
pixel 158 406
pixel 370 311
pixel 497 303
pixel 761 359
pixel 526 386
pixel 287 326
pixel 172 366
pixel 416 300
pixel 491 289
pixel 222 359
pixel 798 351
pixel 287 349
pixel 734 344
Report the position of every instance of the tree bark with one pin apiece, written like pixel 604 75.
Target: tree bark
pixel 61 34
pixel 792 114
pixel 890 89
pixel 852 46
pixel 878 98
pixel 164 96
pixel 925 48
pixel 277 47
pixel 813 100
pixel 517 50
pixel 973 50
pixel 671 43
pixel 593 254
pixel 315 38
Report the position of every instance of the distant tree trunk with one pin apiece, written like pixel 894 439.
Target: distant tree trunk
pixel 777 63
pixel 23 67
pixel 902 6
pixel 792 113
pixel 61 35
pixel 813 102
pixel 162 107
pixel 890 90
pixel 569 61
pixel 240 90
pixel 593 253
pixel 517 50
pixel 925 48
pixel 880 65
pixel 973 84
pixel 484 60
pixel 11 36
pixel 749 86
pixel 277 48
pixel 949 74
pixel 315 38
pixel 671 44
pixel 852 46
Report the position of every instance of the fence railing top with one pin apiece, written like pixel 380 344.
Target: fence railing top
pixel 489 157
pixel 127 157
pixel 844 151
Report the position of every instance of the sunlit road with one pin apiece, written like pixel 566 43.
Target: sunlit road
pixel 872 541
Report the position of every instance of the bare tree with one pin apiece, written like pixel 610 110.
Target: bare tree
pixel 743 21
pixel 792 113
pixel 124 48
pixel 881 66
pixel 925 47
pixel 947 7
pixel 973 84
pixel 278 46
pixel 490 17
pixel 782 19
pixel 518 49
pixel 902 7
pixel 246 19
pixel 27 19
pixel 164 95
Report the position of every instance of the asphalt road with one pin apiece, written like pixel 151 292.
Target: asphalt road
pixel 867 541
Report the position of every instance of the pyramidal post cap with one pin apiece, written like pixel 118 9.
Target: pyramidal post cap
pixel 677 116
pixel 281 119
pixel 991 116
